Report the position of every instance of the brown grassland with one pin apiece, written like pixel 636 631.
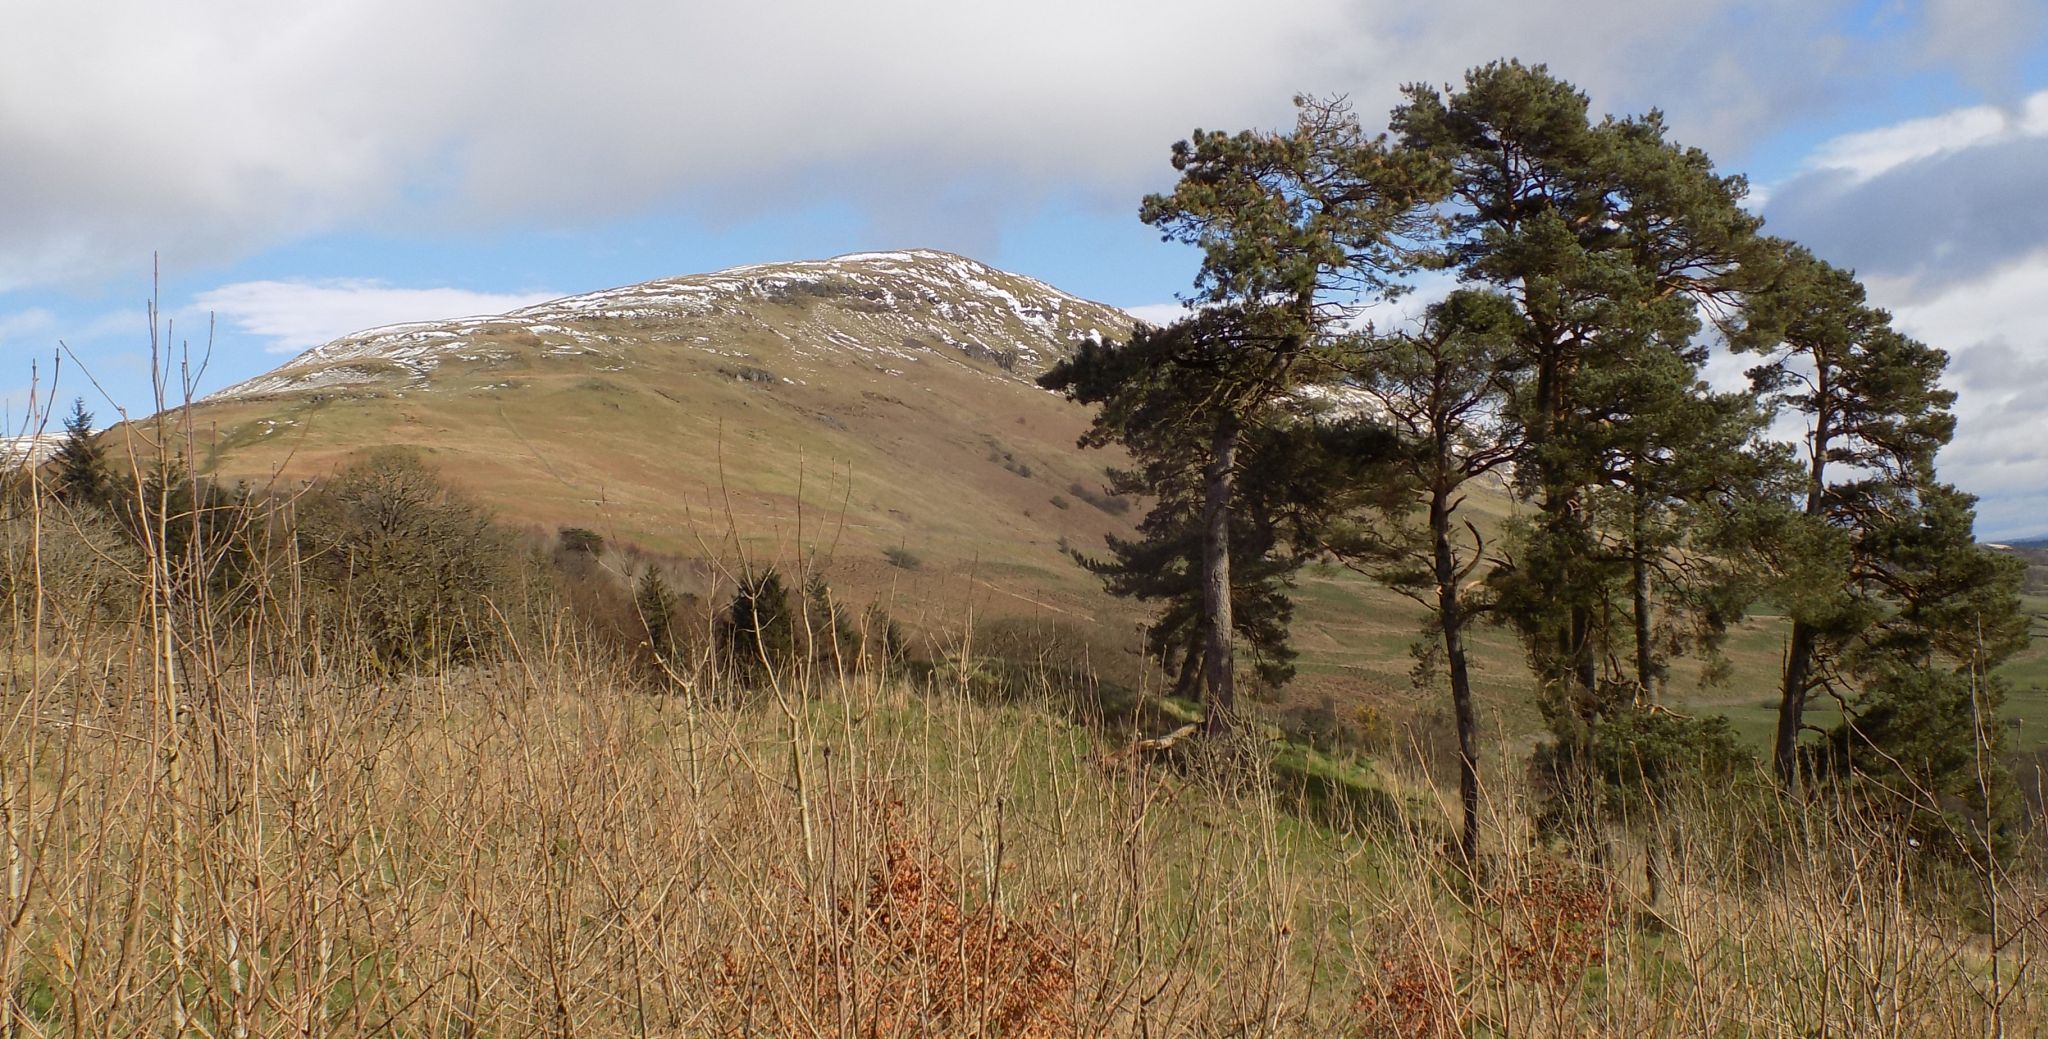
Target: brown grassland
pixel 224 822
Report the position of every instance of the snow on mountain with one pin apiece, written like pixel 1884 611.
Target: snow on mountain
pixel 31 449
pixel 885 308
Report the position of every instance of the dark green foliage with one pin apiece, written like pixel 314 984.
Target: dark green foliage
pixel 757 635
pixel 660 616
pixel 1289 477
pixel 580 541
pixel 79 468
pixel 1636 768
pixel 1895 608
pixel 1607 240
pixel 1442 392
pixel 1163 568
pixel 1644 757
pixel 834 642
pixel 1294 228
pixel 1598 262
pixel 1922 736
pixel 415 571
pixel 1633 762
pixel 1151 395
pixel 1925 750
pixel 902 558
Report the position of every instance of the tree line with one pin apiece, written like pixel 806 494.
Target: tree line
pixel 1594 265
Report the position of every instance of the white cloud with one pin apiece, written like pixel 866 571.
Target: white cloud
pixel 1999 369
pixel 213 128
pixel 19 329
pixel 1934 201
pixel 1873 152
pixel 1938 216
pixel 299 315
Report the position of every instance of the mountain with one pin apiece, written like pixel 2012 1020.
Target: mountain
pixel 28 448
pixel 847 406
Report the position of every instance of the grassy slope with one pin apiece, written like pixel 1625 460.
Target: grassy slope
pixel 676 452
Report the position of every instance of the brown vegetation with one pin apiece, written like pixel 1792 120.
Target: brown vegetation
pixel 223 819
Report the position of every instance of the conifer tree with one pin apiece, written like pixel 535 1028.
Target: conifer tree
pixel 1609 240
pixel 656 605
pixel 759 631
pixel 1290 485
pixel 1291 227
pixel 1884 577
pixel 1687 485
pixel 828 629
pixel 1443 389
pixel 80 464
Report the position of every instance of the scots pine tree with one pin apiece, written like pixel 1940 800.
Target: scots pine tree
pixel 1610 241
pixel 1443 390
pixel 758 632
pixel 1897 613
pixel 655 603
pixel 1292 227
pixel 1292 477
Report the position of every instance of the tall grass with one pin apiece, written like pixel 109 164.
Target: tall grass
pixel 219 821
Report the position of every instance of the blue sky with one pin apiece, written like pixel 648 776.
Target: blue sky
pixel 302 171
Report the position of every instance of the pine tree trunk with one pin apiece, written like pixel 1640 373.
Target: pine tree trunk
pixel 1450 614
pixel 1799 655
pixel 1190 670
pixel 1584 666
pixel 1220 660
pixel 1792 704
pixel 1646 676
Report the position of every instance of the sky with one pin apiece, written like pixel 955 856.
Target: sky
pixel 277 175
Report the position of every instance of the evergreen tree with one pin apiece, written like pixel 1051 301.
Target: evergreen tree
pixel 758 634
pixel 1884 574
pixel 1609 240
pixel 656 605
pixel 1290 480
pixel 828 628
pixel 1922 707
pixel 83 476
pixel 1444 391
pixel 1291 226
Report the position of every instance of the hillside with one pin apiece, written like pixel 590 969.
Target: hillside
pixel 839 410
pixel 841 407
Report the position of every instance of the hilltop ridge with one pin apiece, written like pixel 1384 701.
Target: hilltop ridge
pixel 891 308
